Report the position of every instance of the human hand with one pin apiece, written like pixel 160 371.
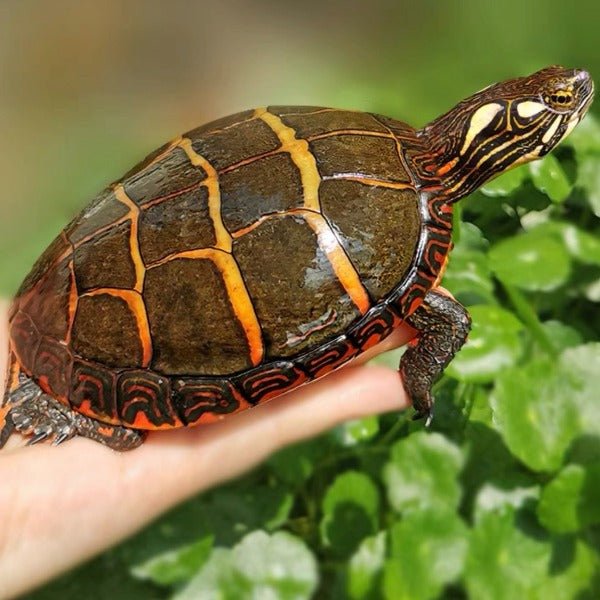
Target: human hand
pixel 60 505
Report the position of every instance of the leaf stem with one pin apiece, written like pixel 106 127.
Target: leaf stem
pixel 530 318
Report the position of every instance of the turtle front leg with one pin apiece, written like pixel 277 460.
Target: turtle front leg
pixel 443 325
pixel 29 411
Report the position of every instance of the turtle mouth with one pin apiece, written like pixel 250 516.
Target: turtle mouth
pixel 585 83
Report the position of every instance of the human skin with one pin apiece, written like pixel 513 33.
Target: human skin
pixel 60 505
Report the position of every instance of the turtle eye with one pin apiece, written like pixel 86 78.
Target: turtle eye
pixel 560 99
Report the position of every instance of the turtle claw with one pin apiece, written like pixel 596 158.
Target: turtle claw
pixel 428 416
pixel 60 438
pixel 38 437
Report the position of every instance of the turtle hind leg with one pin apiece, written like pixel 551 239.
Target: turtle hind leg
pixel 31 412
pixel 443 325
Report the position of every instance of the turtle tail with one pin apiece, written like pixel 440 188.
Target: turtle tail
pixel 6 423
pixel 7 427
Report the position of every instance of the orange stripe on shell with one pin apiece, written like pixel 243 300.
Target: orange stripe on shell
pixel 136 305
pixel 134 245
pixel 223 237
pixel 236 290
pixel 341 264
pixel 300 154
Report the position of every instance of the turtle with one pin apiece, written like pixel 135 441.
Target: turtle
pixel 260 252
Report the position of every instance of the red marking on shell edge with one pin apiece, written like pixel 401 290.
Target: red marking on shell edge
pixel 43 382
pixel 278 380
pixel 414 305
pixel 85 408
pixel 141 421
pixel 213 417
pixel 330 360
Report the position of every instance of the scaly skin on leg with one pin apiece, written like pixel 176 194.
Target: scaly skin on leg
pixel 443 325
pixel 31 412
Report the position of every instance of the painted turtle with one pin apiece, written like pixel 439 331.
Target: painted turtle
pixel 257 253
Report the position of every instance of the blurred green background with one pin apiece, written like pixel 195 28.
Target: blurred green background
pixel 500 499
pixel 88 88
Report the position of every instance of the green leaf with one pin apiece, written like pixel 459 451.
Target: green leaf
pixel 350 508
pixel 352 433
pixel 260 566
pixel 578 567
pixel 279 566
pixel 493 498
pixel 585 139
pixel 428 550
pixel 503 562
pixel 468 276
pixel 561 336
pixel 217 579
pixel 581 245
pixel 571 501
pixel 489 463
pixel 588 178
pixel 535 413
pixel 548 177
pixel 423 473
pixel 493 345
pixel 365 566
pixel 531 262
pixel 582 366
pixel 507 183
pixel 236 509
pixel 295 464
pixel 175 566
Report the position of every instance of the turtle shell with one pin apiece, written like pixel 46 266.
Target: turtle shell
pixel 242 259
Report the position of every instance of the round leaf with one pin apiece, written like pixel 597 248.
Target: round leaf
pixel 493 345
pixel 423 472
pixel 492 498
pixel 588 178
pixel 557 509
pixel 217 576
pixel 276 566
pixel 428 550
pixel 581 245
pixel 548 177
pixel 579 566
pixel 507 183
pixel 571 501
pixel 535 413
pixel 295 464
pixel 352 433
pixel 585 139
pixel 365 565
pixel 350 509
pixel 503 562
pixel 582 365
pixel 468 276
pixel 175 565
pixel 531 262
pixel 561 336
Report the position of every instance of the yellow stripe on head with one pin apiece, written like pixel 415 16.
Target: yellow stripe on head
pixel 481 118
pixel 529 108
pixel 552 129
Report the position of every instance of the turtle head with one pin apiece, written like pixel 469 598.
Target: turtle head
pixel 503 125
